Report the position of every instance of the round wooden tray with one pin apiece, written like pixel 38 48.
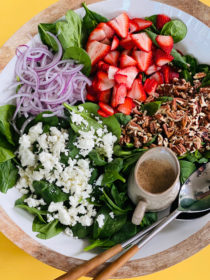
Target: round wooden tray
pixel 134 268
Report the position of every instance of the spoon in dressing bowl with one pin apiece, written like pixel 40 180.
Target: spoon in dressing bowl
pixel 194 197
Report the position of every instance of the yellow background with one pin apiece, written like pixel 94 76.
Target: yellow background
pixel 15 263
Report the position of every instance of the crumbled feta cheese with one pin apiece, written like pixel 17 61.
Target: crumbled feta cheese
pixel 99 180
pixel 32 202
pixel 34 132
pixel 86 141
pixel 111 214
pixel 108 142
pixel 100 220
pixel 69 232
pixel 55 206
pixel 50 218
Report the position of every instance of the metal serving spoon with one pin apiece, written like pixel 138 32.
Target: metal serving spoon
pixel 194 197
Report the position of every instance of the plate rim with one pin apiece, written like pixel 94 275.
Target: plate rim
pixel 12 231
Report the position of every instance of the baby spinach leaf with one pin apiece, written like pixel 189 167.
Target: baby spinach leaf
pixel 119 197
pixel 47 39
pixel 69 31
pixel 164 98
pixel 94 176
pixel 130 161
pixel 34 211
pixel 186 75
pixel 203 68
pixel 81 56
pixel 91 20
pixel 175 28
pixel 112 172
pixel 206 81
pixel 52 121
pixel 99 243
pixel 80 231
pixel 49 192
pixel 153 19
pixel 152 36
pixel 148 219
pixel 122 118
pixel 127 231
pixel 151 107
pixel 8 175
pixel 6 150
pixel 72 149
pixel 186 169
pixel 6 113
pixel 96 158
pixel 119 152
pixel 47 231
pixel 192 61
pixel 116 209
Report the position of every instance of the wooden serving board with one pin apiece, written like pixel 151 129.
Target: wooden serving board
pixel 134 268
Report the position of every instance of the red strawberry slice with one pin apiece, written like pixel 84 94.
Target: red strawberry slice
pixel 142 41
pixel 173 75
pixel 131 72
pixel 118 95
pixel 162 58
pixel 127 43
pixel 112 71
pixel 126 60
pixel 128 52
pixel 158 76
pixel 120 79
pixel 133 27
pixel 150 86
pixel 106 41
pixel 97 51
pixel 126 107
pixel 115 43
pixel 152 69
pixel 143 59
pixel 142 23
pixel 166 43
pixel 162 20
pixel 112 58
pixel 166 72
pixel 120 25
pixel 106 108
pixel 102 113
pixel 103 66
pixel 107 29
pixel 103 82
pixel 90 97
pixel 97 34
pixel 137 91
pixel 104 96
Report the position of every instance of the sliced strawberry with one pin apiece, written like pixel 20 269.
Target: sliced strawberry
pixel 152 69
pixel 106 41
pixel 173 75
pixel 128 52
pixel 143 59
pixel 97 34
pixel 112 71
pixel 104 96
pixel 120 79
pixel 127 43
pixel 137 91
pixel 115 43
pixel 97 51
pixel 126 60
pixel 140 77
pixel 166 73
pixel 162 58
pixel 142 41
pixel 158 76
pixel 166 43
pixel 92 98
pixel 107 29
pixel 103 82
pixel 120 24
pixel 118 95
pixel 103 66
pixel 142 23
pixel 133 27
pixel 112 58
pixel 162 20
pixel 131 72
pixel 126 107
pixel 102 113
pixel 150 86
pixel 106 108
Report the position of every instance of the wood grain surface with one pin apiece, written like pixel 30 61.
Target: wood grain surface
pixel 134 268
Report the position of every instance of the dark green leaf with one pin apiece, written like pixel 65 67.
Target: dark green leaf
pixel 49 192
pixel 206 81
pixel 119 152
pixel 192 61
pixel 119 197
pixel 47 231
pixel 33 211
pixel 6 150
pixel 126 232
pixel 96 158
pixel 116 209
pixel 153 19
pixel 52 121
pixel 148 219
pixel 151 107
pixel 80 231
pixel 122 118
pixel 6 113
pixel 48 40
pixel 8 175
pixel 81 56
pixel 99 243
pixel 203 68
pixel 175 28
pixel 72 149
pixel 94 176
pixel 186 169
pixel 112 172
pixel 164 98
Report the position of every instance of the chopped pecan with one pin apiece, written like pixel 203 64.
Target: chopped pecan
pixel 199 75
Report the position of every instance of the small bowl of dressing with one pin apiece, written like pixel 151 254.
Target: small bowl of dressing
pixel 154 183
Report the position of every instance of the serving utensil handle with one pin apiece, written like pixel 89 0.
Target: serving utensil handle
pixel 114 266
pixel 86 267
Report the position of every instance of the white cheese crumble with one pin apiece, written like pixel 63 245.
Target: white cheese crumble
pixel 100 220
pixel 111 214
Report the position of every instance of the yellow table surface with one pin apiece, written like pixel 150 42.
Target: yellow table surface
pixel 14 262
